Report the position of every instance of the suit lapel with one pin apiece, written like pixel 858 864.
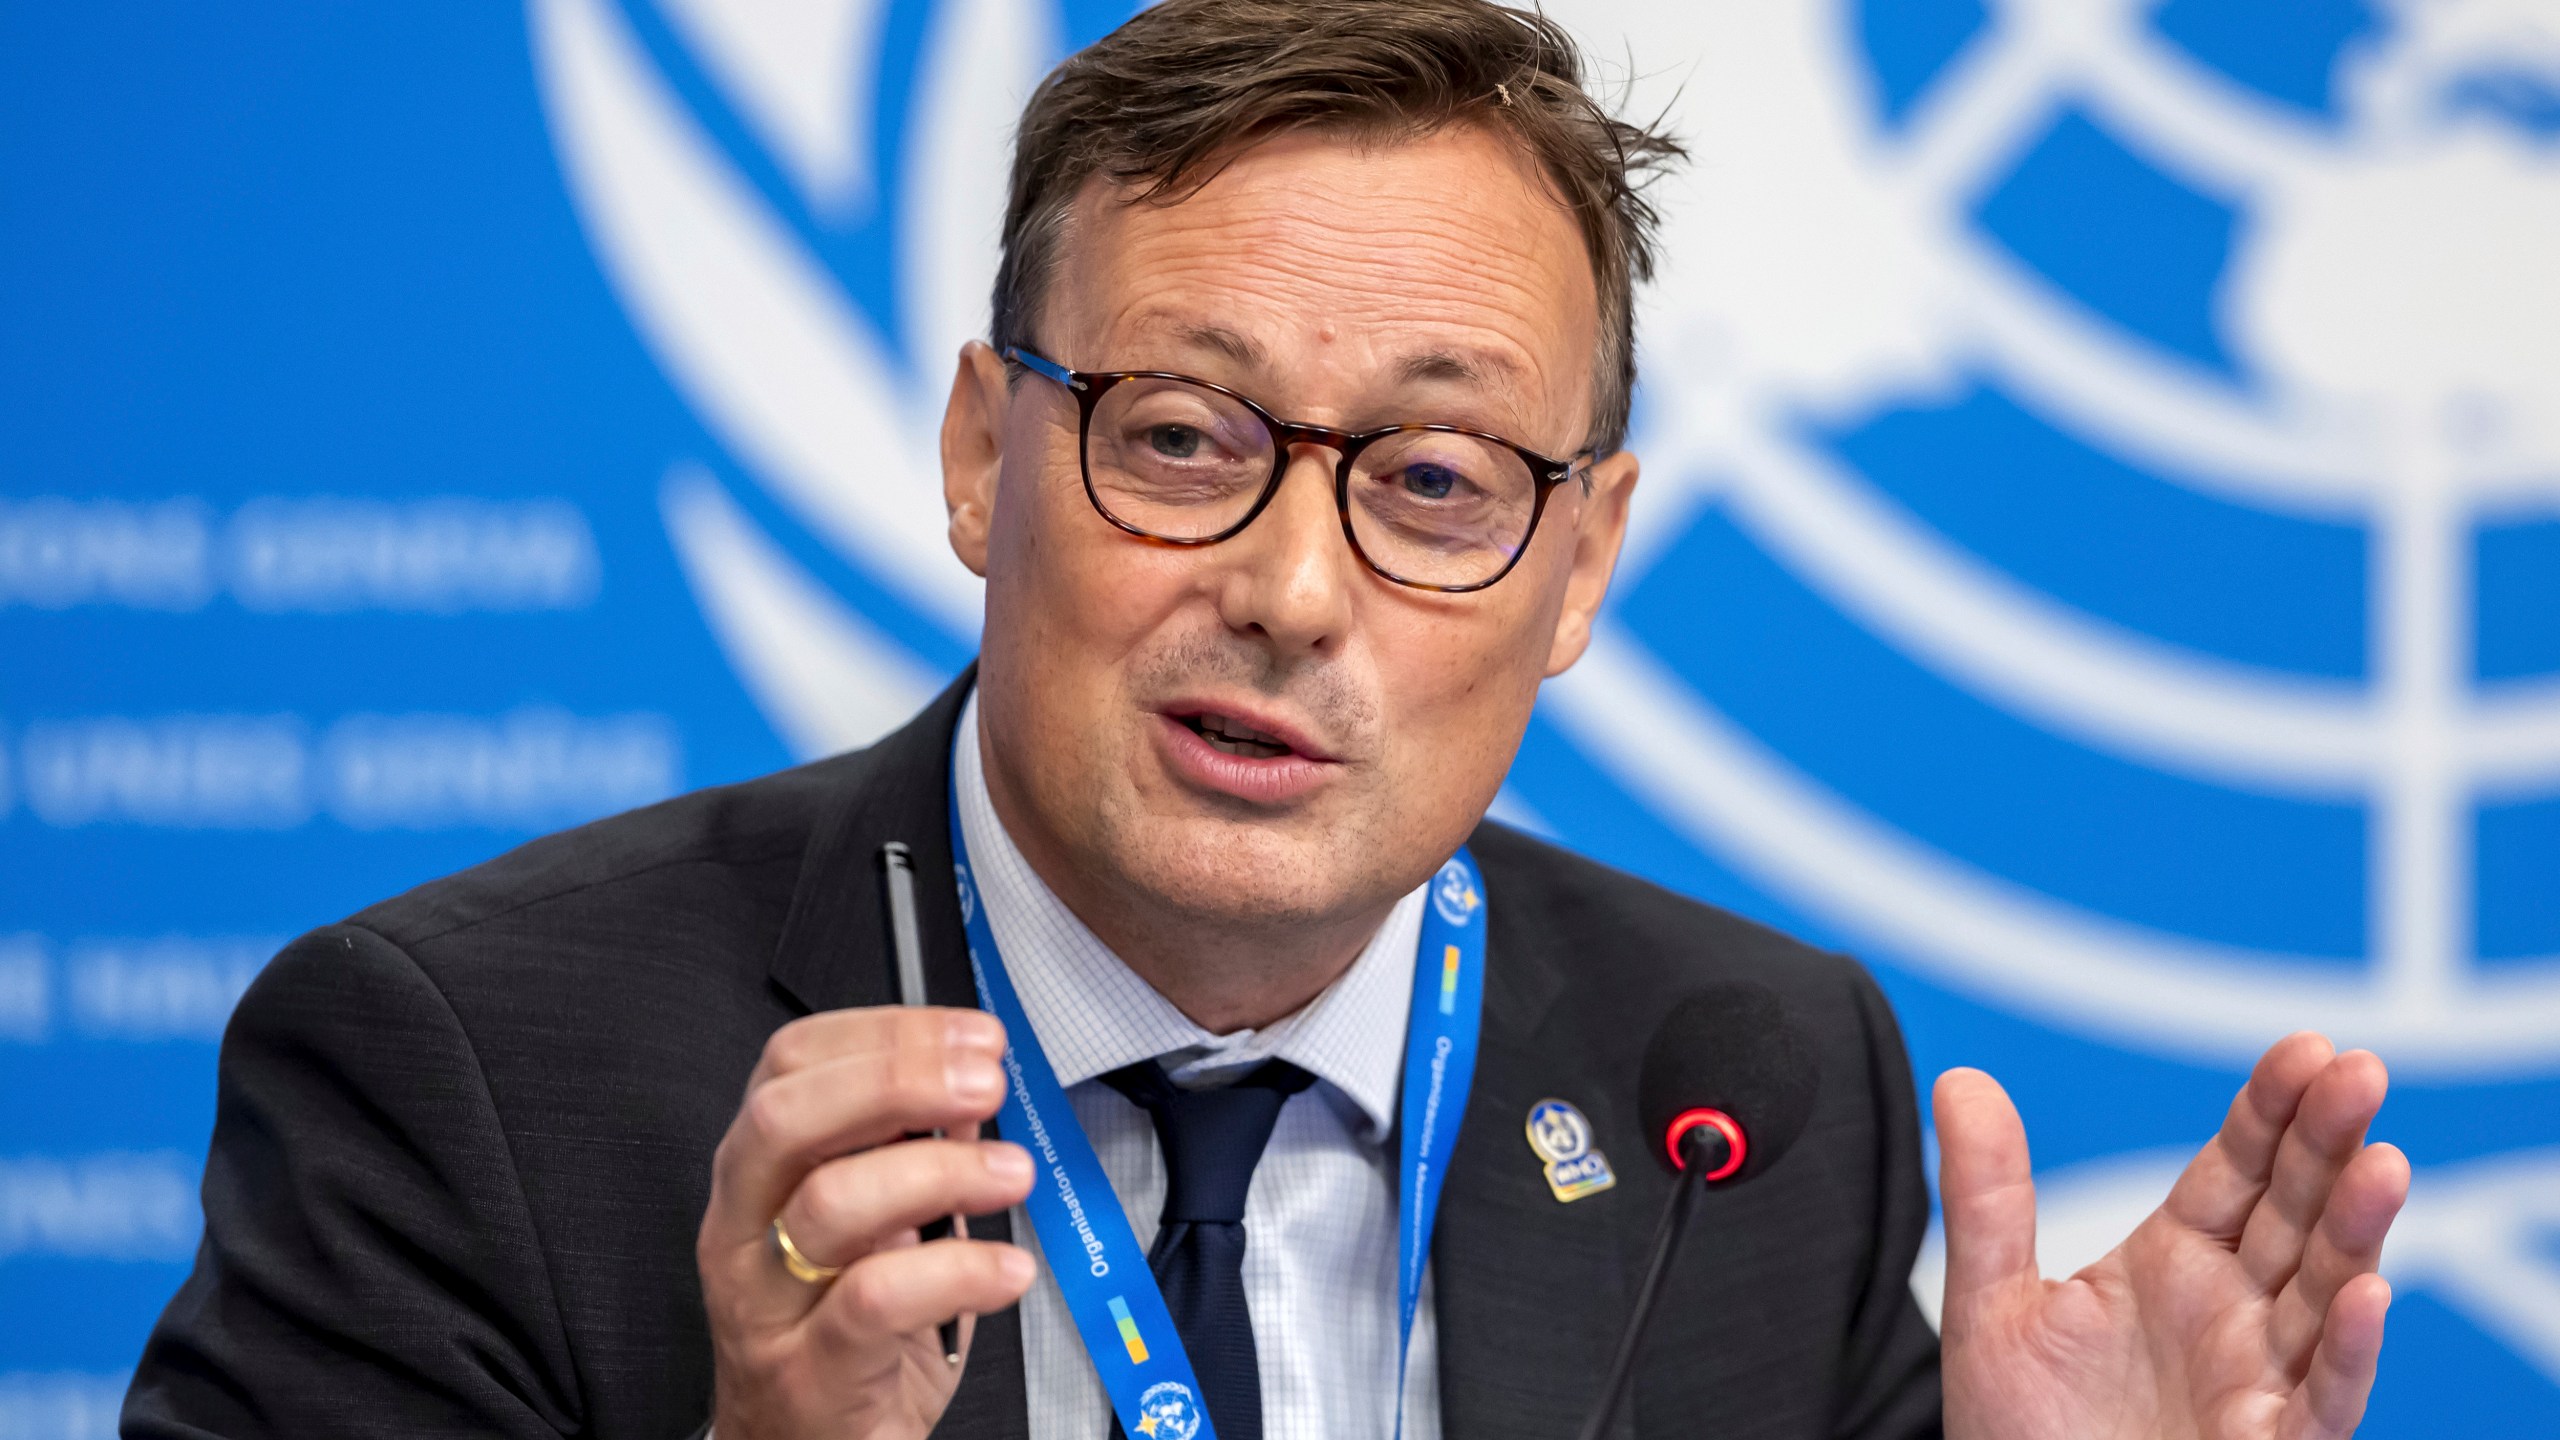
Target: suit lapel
pixel 1530 1291
pixel 834 949
pixel 834 952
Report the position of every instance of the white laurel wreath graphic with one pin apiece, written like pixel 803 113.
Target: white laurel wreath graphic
pixel 792 378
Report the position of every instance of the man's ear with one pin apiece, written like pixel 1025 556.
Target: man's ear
pixel 973 451
pixel 1600 529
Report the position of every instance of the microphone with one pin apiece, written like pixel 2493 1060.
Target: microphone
pixel 1727 1085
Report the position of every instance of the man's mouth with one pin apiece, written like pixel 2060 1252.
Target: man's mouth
pixel 1235 737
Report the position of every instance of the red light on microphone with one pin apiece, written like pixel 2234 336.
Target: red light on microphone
pixel 1737 1149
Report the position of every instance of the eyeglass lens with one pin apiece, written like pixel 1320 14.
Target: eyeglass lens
pixel 1182 462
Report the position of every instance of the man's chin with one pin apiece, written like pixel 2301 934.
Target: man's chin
pixel 1242 875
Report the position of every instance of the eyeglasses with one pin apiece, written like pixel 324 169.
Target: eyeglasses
pixel 1184 462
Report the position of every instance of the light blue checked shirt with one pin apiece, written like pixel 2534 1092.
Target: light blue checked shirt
pixel 1320 1221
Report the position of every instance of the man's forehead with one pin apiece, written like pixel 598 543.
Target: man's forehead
pixel 1442 265
pixel 1481 366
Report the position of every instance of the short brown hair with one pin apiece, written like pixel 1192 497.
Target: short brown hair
pixel 1162 103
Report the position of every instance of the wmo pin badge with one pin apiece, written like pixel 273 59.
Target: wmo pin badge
pixel 1562 1138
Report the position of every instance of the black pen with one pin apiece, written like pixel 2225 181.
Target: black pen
pixel 906 950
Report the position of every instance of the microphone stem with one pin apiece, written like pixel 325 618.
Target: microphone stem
pixel 1666 1240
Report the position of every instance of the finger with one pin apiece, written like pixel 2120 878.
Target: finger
pixel 1986 1189
pixel 2346 1243
pixel 2222 1184
pixel 847 1207
pixel 2326 1133
pixel 2330 1401
pixel 830 1035
pixel 902 1290
pixel 791 1124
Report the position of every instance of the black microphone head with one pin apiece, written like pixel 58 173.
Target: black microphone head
pixel 1731 1047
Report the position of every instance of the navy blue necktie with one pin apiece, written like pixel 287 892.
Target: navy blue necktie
pixel 1212 1139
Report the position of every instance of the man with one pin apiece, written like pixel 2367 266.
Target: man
pixel 1293 469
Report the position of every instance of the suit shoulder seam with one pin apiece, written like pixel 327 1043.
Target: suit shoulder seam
pixel 546 897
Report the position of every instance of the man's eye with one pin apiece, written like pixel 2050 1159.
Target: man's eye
pixel 1174 442
pixel 1431 482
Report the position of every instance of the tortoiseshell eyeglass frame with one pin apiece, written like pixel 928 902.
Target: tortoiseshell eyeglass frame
pixel 1089 386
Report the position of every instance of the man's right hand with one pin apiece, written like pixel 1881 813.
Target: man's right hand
pixel 820 1142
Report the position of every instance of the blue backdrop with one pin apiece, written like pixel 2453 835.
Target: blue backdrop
pixel 2099 555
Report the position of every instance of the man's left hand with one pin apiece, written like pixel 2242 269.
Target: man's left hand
pixel 2246 1307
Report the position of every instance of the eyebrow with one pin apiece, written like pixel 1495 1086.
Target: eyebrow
pixel 1489 373
pixel 1234 345
pixel 1451 365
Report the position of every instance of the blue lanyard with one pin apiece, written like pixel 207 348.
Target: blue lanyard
pixel 1113 1296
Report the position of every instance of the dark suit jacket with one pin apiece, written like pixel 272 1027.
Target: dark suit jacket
pixel 463 1141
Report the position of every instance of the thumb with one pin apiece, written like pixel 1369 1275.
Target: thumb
pixel 1986 1191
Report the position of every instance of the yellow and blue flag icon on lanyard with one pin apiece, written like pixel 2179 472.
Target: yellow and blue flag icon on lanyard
pixel 1129 1335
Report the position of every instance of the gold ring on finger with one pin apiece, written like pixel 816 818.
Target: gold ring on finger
pixel 801 1267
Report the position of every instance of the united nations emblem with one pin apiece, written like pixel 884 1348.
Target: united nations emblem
pixel 1454 894
pixel 1562 1138
pixel 1168 1411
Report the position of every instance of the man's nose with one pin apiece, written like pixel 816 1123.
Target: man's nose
pixel 1290 574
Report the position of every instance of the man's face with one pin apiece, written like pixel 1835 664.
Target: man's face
pixel 1336 284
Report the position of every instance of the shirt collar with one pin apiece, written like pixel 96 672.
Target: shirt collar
pixel 1094 1014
